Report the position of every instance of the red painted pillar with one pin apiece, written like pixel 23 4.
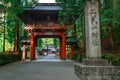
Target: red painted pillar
pixel 63 44
pixel 72 51
pixel 32 46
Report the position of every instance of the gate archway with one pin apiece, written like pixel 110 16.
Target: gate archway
pixel 47 32
pixel 41 21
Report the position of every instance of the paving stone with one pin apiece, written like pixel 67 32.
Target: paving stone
pixel 38 70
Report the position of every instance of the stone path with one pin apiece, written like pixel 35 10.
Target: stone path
pixel 49 58
pixel 38 70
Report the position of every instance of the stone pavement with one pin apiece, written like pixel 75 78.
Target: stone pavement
pixel 38 70
pixel 49 58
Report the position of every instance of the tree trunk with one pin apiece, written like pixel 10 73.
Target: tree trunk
pixel 116 3
pixel 4 33
pixel 16 39
pixel 109 25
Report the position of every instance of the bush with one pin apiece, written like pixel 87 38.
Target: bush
pixel 112 59
pixel 68 55
pixel 8 58
pixel 2 59
pixel 79 57
pixel 75 56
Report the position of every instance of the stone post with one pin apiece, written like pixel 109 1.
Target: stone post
pixel 23 52
pixel 92 31
pixel 94 68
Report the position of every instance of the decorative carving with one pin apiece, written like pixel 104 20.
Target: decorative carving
pixel 94 25
pixel 28 27
pixel 94 20
pixel 95 38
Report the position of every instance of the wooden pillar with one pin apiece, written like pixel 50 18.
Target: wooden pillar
pixel 72 51
pixel 63 46
pixel 32 46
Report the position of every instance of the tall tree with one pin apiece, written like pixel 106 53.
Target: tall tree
pixel 15 9
pixel 109 16
pixel 3 7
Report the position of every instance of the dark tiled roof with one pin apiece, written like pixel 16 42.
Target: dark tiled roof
pixel 40 12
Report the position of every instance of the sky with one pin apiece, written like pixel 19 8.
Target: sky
pixel 47 1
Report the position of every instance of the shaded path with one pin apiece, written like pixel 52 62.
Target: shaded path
pixel 33 70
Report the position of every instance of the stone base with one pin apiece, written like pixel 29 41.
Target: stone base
pixel 93 72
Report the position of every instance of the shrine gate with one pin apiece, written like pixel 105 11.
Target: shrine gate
pixel 41 21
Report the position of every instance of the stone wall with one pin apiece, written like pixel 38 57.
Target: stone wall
pixel 97 72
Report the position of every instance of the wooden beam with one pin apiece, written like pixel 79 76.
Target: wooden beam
pixel 50 28
pixel 47 34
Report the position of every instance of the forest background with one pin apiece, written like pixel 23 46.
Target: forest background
pixel 11 27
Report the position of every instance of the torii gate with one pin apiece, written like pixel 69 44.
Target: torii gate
pixel 41 21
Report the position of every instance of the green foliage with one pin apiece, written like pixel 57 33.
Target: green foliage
pixel 112 59
pixel 68 55
pixel 47 40
pixel 56 42
pixel 78 29
pixel 39 43
pixel 2 7
pixel 16 7
pixel 110 19
pixel 71 10
pixel 79 57
pixel 29 2
pixel 11 9
pixel 8 58
pixel 73 13
pixel 51 41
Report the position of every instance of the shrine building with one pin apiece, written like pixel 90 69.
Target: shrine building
pixel 40 21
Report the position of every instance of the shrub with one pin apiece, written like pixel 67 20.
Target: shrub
pixel 68 55
pixel 79 57
pixel 8 58
pixel 112 59
pixel 75 56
